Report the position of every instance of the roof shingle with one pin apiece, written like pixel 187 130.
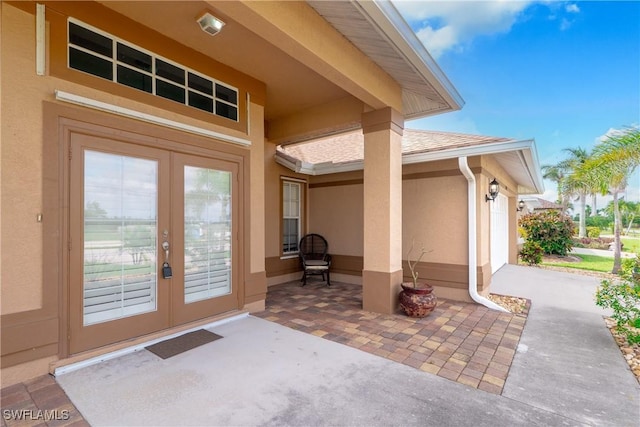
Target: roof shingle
pixel 349 147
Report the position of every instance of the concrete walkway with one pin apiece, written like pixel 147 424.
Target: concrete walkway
pixel 567 361
pixel 601 252
pixel 567 371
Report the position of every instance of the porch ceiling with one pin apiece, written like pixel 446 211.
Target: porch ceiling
pixel 301 78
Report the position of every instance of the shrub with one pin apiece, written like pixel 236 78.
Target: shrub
pixel 592 243
pixel 593 232
pixel 601 222
pixel 623 297
pixel 531 252
pixel 552 230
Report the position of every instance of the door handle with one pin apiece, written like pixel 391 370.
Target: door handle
pixel 165 246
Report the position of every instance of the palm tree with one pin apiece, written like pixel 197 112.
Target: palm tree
pixel 572 184
pixel 629 211
pixel 609 167
pixel 556 174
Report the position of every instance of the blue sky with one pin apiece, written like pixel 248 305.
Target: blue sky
pixel 562 73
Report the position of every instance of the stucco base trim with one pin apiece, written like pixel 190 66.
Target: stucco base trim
pixel 255 286
pixel 380 291
pixel 255 307
pixel 26 371
pixel 31 340
pixel 452 294
pixel 351 279
pixel 283 278
pixel 277 266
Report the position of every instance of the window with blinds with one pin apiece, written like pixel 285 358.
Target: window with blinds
pixel 120 229
pixel 207 228
pixel 291 192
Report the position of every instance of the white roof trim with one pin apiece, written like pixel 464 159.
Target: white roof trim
pixel 385 16
pixel 526 149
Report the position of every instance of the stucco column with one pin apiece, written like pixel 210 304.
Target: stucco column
pixel 382 273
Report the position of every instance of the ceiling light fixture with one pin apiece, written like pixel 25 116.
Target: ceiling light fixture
pixel 210 24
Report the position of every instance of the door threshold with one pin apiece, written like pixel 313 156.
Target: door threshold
pixel 113 351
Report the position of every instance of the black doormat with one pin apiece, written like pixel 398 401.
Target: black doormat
pixel 177 345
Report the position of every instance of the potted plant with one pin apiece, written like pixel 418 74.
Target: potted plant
pixel 417 298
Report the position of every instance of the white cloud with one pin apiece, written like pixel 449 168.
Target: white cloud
pixel 613 132
pixel 572 8
pixel 446 25
pixel 452 25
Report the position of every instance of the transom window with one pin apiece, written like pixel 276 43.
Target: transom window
pixel 291 192
pixel 103 55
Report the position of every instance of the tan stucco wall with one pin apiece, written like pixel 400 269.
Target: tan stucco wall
pixel 22 94
pixel 257 189
pixel 433 211
pixel 435 217
pixel 336 213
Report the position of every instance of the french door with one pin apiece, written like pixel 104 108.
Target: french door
pixel 152 239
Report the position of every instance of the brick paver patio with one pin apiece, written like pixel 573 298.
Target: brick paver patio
pixel 38 402
pixel 462 342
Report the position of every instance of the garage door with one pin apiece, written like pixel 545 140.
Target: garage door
pixel 499 233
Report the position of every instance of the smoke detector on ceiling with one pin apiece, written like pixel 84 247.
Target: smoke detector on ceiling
pixel 210 24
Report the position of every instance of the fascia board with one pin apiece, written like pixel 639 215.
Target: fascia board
pixel 328 168
pixel 295 165
pixel 385 16
pixel 526 147
pixel 476 150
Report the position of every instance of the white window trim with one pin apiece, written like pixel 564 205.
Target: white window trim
pixel 293 254
pixel 149 118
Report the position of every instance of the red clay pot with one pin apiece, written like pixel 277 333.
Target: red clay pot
pixel 417 302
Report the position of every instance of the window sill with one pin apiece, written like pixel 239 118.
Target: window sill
pixel 289 256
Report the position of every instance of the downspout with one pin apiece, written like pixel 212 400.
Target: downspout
pixel 473 230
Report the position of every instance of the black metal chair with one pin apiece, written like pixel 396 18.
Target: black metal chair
pixel 314 257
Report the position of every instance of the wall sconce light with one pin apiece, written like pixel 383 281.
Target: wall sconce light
pixel 521 205
pixel 494 189
pixel 210 24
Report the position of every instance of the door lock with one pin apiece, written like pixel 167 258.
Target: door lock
pixel 166 268
pixel 166 271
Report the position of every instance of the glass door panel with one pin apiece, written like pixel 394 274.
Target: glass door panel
pixel 120 229
pixel 205 200
pixel 207 233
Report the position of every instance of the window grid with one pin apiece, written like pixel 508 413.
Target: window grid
pixel 215 84
pixel 291 208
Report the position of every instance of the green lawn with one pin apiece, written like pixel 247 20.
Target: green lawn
pixel 589 262
pixel 631 245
